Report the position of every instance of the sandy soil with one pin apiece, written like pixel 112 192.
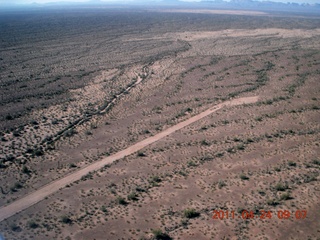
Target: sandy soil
pixel 44 192
pixel 262 156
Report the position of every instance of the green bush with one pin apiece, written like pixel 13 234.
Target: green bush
pixel 32 224
pixel 133 196
pixel 281 186
pixel 272 202
pixel 292 164
pixel 285 196
pixel 159 235
pixel 14 227
pixel 141 154
pixel 221 184
pixel 104 209
pixel 121 201
pixel 192 164
pixel 25 170
pixel 66 219
pixel 155 179
pixel 244 177
pixel 191 213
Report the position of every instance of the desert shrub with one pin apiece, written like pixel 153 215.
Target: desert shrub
pixel 34 122
pixel 155 179
pixel 72 165
pixel 220 154
pixel 66 219
pixel 240 210
pixel 121 201
pixel 250 140
pixel 1 164
pixel 140 189
pixel 29 150
pixel 16 186
pixel 87 176
pixel 104 209
pixel 192 164
pixel 9 117
pixel 310 178
pixel 70 132
pixel 88 132
pixel 32 224
pixel 16 134
pixel 9 158
pixel 244 177
pixel 3 139
pixel 231 150
pixel 259 119
pixel 38 152
pixel 159 235
pixel 133 196
pixel 277 169
pixel 225 122
pixel 281 187
pixel 285 196
pixel 205 143
pixel 182 173
pixel 184 223
pixel 191 213
pixel 272 202
pixel 241 147
pixel 206 158
pixel 221 184
pixel 292 164
pixel 14 227
pixel 25 170
pixel 141 154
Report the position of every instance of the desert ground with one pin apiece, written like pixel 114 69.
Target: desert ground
pixel 172 124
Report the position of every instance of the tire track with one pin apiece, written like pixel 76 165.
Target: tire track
pixel 45 191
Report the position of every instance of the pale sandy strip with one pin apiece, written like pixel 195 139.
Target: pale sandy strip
pixel 43 192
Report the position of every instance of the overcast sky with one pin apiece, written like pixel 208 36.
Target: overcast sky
pixel 46 1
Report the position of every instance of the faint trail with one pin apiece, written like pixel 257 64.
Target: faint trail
pixel 43 192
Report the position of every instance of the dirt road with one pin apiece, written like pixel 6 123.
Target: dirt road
pixel 45 191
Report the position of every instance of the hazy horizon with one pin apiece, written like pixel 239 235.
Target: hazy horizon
pixel 23 2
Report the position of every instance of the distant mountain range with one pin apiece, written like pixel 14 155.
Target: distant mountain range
pixel 212 4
